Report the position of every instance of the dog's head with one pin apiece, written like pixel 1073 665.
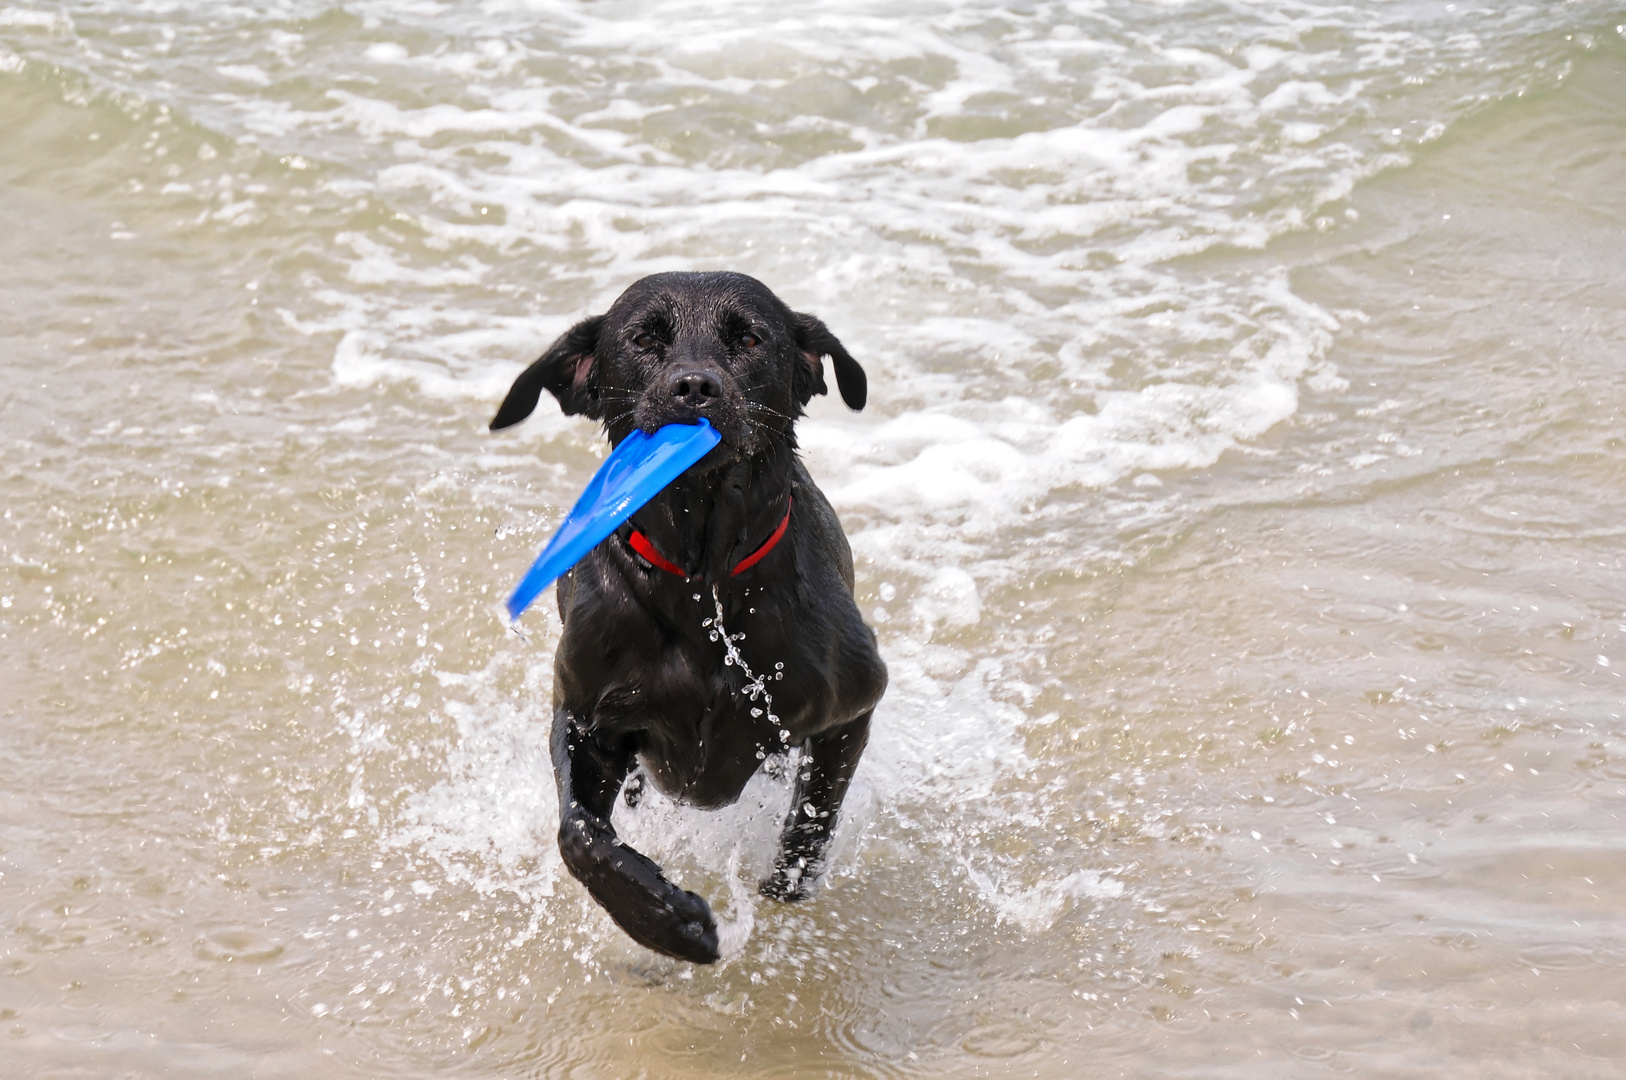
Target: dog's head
pixel 676 347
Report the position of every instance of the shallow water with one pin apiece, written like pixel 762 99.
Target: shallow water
pixel 1239 504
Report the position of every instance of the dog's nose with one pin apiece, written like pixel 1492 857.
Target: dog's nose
pixel 694 388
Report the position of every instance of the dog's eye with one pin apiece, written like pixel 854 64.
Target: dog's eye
pixel 749 341
pixel 644 341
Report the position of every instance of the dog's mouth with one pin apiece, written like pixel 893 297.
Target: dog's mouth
pixel 684 397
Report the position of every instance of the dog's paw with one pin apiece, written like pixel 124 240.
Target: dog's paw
pixel 790 883
pixel 674 921
pixel 691 933
pixel 627 884
pixel 667 919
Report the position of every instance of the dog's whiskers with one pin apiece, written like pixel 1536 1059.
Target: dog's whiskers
pixel 768 409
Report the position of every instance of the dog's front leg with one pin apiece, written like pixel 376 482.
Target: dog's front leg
pixel 626 883
pixel 826 769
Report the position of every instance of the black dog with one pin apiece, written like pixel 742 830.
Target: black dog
pixel 717 628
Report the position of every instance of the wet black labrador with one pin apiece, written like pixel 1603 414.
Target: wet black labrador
pixel 716 629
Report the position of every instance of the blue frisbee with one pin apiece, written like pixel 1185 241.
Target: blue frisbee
pixel 634 473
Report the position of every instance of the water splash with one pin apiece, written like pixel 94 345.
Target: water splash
pixel 756 686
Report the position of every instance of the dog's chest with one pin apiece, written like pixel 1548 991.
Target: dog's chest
pixel 701 727
pixel 703 711
pixel 686 686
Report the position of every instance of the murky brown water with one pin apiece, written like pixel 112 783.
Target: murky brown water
pixel 1247 555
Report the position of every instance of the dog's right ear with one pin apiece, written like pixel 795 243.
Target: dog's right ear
pixel 567 370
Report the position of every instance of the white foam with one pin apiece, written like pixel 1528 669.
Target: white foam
pixel 248 73
pixel 1034 908
pixel 385 52
pixel 33 19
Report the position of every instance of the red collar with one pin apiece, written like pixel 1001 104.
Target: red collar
pixel 640 543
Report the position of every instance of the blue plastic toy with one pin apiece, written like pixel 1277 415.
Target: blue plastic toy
pixel 634 473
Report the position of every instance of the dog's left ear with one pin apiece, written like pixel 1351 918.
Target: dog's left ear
pixel 566 370
pixel 815 341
